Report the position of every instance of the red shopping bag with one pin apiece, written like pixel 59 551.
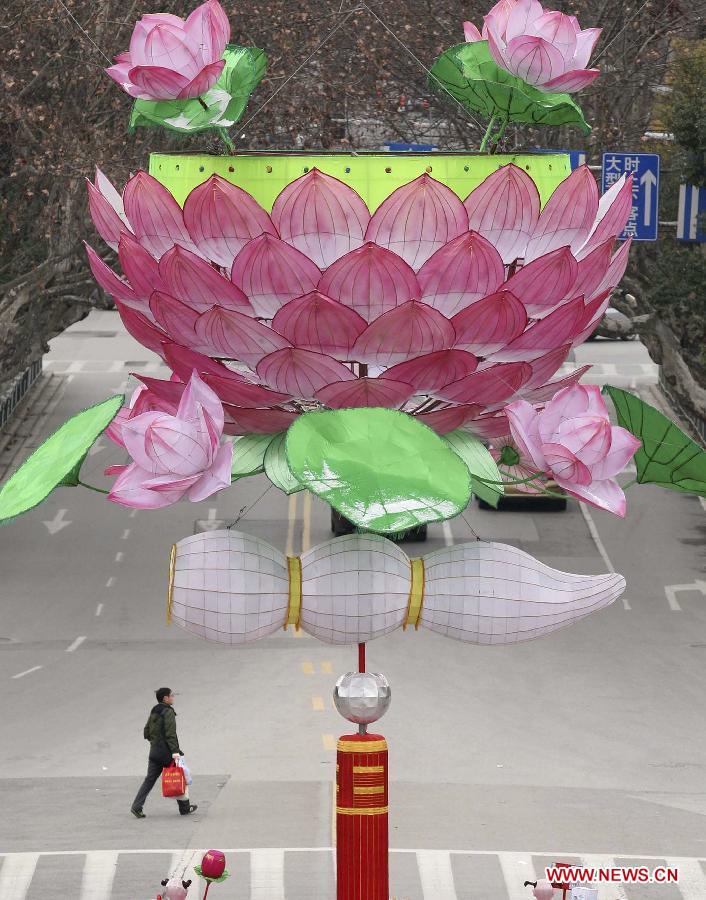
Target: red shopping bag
pixel 173 781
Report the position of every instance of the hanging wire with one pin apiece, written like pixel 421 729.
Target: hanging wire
pixel 83 30
pixel 616 36
pixel 246 509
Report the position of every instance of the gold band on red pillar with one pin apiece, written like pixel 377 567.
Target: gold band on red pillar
pixel 361 818
pixel 416 594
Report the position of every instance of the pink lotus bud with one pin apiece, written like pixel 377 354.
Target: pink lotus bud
pixel 213 864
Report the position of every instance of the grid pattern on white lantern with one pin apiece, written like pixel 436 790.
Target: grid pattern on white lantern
pixel 229 587
pixel 490 593
pixel 354 588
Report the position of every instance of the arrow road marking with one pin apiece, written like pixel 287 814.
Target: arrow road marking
pixel 671 590
pixel 77 643
pixel 58 522
pixel 649 179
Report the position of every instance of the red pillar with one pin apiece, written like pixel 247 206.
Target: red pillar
pixel 361 818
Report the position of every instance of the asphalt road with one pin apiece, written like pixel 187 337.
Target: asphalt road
pixel 586 744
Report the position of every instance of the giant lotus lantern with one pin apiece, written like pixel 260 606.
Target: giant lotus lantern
pixel 385 331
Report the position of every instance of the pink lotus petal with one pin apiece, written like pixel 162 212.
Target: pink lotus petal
pixel 199 397
pixel 176 318
pixel 237 336
pixel 593 313
pixel 167 46
pixel 128 490
pixel 202 82
pixel 613 212
pixel 568 215
pixel 271 273
pixel 489 428
pixel 136 434
pixel 168 392
pixel 565 466
pixel 559 30
pixel 585 42
pixel 142 329
pixel 433 370
pixel 216 477
pixel 257 421
pixel 490 324
pixel 166 445
pixel 417 219
pixel 141 33
pixel 316 322
pixel 588 438
pixel 207 28
pixel 592 269
pixel 121 76
pixel 547 391
pixel 523 420
pixel 623 446
pixel 383 392
pixel 496 42
pixel 222 218
pixel 371 281
pixel 197 284
pixel 543 367
pixel 444 420
pixel 110 282
pixel 157 83
pixel 605 494
pixel 488 387
pixel 616 269
pixel 140 267
pixel 109 225
pixel 504 209
pixel 300 373
pixel 460 273
pixel 471 33
pixel 114 432
pixel 154 215
pixel 499 15
pixel 533 59
pixel 544 282
pixel 321 216
pixel 521 17
pixel 183 362
pixel 402 333
pixel 570 82
pixel 570 404
pixel 559 327
pixel 243 393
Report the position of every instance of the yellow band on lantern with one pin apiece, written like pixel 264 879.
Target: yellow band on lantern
pixel 416 594
pixel 170 586
pixel 294 567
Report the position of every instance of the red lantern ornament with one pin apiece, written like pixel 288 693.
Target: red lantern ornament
pixel 213 864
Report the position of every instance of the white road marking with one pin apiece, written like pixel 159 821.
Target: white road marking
pixel 692 881
pixel 448 534
pixel 606 890
pixel 126 534
pixel 116 366
pixel 77 643
pixel 75 366
pixel 16 875
pixel 436 875
pixel 119 556
pixel 98 874
pixel 588 518
pixel 22 675
pixel 671 590
pixel 99 609
pixel 517 868
pixel 133 513
pixel 110 582
pixel 267 875
pixel 69 379
pixel 212 513
pixel 702 501
pixel 97 447
pixel 58 522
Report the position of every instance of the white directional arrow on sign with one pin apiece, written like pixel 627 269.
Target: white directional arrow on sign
pixel 671 590
pixel 649 179
pixel 58 522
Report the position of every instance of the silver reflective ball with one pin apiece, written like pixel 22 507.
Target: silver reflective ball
pixel 362 697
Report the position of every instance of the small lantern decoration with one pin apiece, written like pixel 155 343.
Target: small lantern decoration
pixel 174 889
pixel 212 868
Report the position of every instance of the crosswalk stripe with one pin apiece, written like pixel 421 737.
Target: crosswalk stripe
pixel 517 868
pixel 98 874
pixel 16 875
pixel 267 874
pixel 436 875
pixel 607 891
pixel 692 881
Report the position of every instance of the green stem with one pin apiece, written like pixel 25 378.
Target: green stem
pixel 486 136
pixel 514 481
pixel 225 137
pixel 499 136
pixel 92 487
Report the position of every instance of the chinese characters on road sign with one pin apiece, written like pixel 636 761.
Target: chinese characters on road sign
pixel 644 168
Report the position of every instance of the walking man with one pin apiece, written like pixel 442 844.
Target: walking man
pixel 160 731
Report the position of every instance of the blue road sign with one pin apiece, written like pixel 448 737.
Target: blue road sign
pixel 644 168
pixel 691 225
pixel 577 157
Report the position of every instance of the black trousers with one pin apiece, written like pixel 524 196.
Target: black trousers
pixel 154 772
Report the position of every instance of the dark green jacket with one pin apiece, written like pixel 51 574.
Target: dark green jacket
pixel 161 732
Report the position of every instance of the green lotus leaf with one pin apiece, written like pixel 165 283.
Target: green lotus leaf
pixel 56 460
pixel 220 107
pixel 249 454
pixel 668 457
pixel 480 464
pixel 226 874
pixel 380 468
pixel 277 468
pixel 472 77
